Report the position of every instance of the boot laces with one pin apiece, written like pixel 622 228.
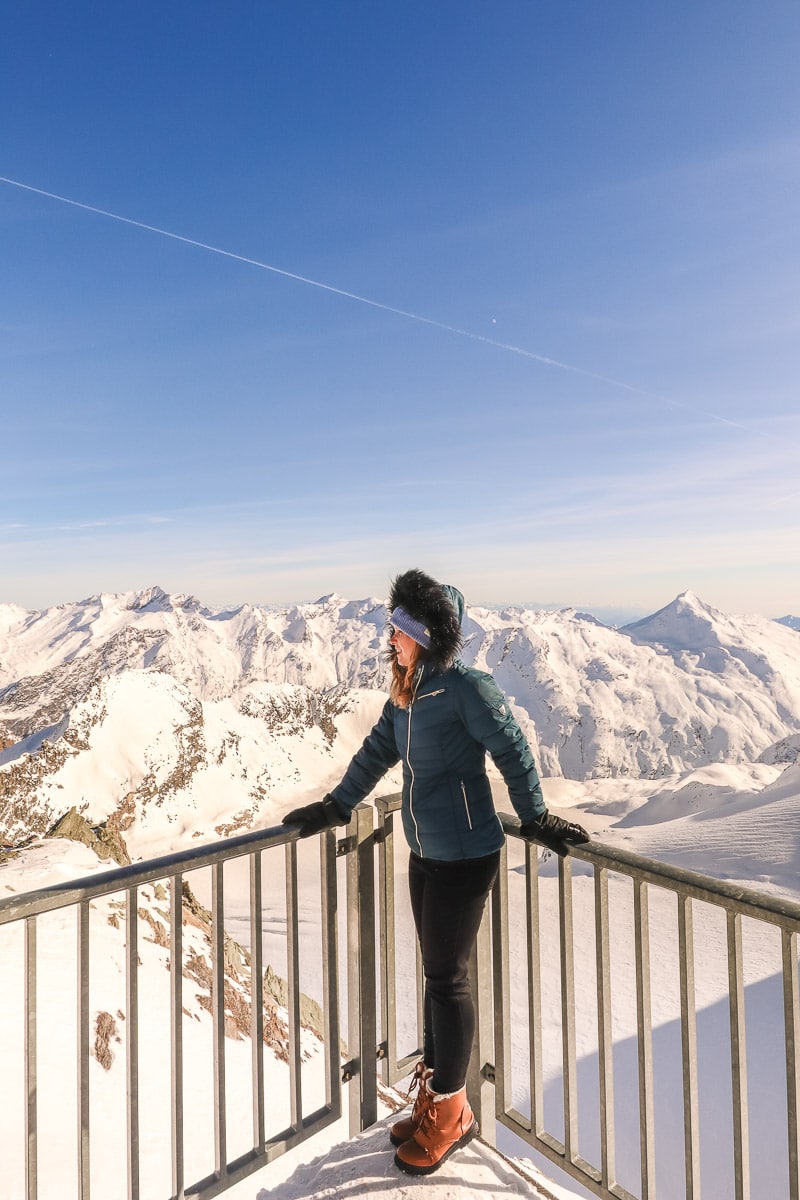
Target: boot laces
pixel 416 1080
pixel 430 1114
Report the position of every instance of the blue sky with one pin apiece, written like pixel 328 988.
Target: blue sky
pixel 577 383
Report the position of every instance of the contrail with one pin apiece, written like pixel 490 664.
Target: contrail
pixel 399 312
pixel 326 287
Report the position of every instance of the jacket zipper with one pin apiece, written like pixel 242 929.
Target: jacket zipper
pixel 466 803
pixel 408 760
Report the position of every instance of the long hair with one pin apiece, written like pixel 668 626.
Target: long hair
pixel 401 690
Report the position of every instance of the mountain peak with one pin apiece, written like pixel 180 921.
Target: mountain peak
pixel 154 598
pixel 689 604
pixel 684 624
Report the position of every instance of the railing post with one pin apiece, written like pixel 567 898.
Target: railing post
pixel 257 1000
pixel 329 905
pixel 132 1038
pixel 31 1060
pixel 691 1107
pixel 741 1135
pixel 480 1088
pixel 362 1022
pixel 605 1034
pixel 641 919
pixel 791 1015
pixel 501 990
pixel 293 981
pixel 176 1032
pixel 386 911
pixel 83 1051
pixel 569 1063
pixel 218 1017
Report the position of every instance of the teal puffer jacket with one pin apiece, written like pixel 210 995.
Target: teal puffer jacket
pixel 457 715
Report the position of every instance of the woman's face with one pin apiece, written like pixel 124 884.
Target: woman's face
pixel 403 645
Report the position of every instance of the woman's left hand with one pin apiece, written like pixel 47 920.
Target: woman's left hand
pixel 552 832
pixel 313 818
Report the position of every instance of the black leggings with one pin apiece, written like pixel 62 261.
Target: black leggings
pixel 447 900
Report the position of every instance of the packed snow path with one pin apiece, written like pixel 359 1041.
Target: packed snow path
pixel 364 1167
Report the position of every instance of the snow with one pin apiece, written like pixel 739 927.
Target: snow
pixel 364 1166
pixel 677 738
pixel 127 700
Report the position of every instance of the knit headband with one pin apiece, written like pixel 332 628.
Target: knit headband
pixel 406 624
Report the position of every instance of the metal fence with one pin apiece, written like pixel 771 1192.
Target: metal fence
pixel 609 882
pixel 532 952
pixel 694 899
pixel 128 883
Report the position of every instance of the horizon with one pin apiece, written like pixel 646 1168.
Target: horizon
pixel 295 300
pixel 615 616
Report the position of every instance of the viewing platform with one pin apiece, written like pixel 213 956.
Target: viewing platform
pixel 363 1168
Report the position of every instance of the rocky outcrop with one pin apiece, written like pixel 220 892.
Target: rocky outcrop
pixel 106 1033
pixel 105 840
pixel 311 1015
pixel 238 982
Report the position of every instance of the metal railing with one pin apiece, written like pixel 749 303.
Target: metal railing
pixel 614 880
pixel 553 967
pixel 128 882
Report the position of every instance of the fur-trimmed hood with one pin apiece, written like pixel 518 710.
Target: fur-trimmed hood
pixel 439 607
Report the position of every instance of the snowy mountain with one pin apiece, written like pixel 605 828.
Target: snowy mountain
pixel 178 721
pixel 792 622
pixel 49 659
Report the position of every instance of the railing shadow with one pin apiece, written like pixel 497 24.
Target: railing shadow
pixel 766 1077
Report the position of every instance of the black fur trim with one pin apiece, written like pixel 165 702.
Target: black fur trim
pixel 424 600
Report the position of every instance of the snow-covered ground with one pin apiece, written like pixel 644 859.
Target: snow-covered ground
pixel 364 1167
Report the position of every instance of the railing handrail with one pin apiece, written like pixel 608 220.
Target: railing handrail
pixel 62 895
pixel 747 900
pixel 744 899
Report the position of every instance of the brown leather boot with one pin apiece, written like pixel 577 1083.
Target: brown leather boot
pixel 447 1123
pixel 406 1127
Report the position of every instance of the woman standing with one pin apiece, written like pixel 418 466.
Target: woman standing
pixel 440 720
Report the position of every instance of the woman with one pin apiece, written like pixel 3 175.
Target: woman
pixel 440 719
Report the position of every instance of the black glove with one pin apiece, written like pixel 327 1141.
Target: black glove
pixel 313 818
pixel 552 832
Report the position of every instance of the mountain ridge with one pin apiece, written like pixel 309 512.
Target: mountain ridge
pixel 253 706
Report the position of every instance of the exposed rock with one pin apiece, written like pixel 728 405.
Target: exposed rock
pixel 311 1015
pixel 782 753
pixel 22 813
pixel 105 1032
pixel 298 710
pixel 105 839
pixel 160 930
pixel 238 1005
